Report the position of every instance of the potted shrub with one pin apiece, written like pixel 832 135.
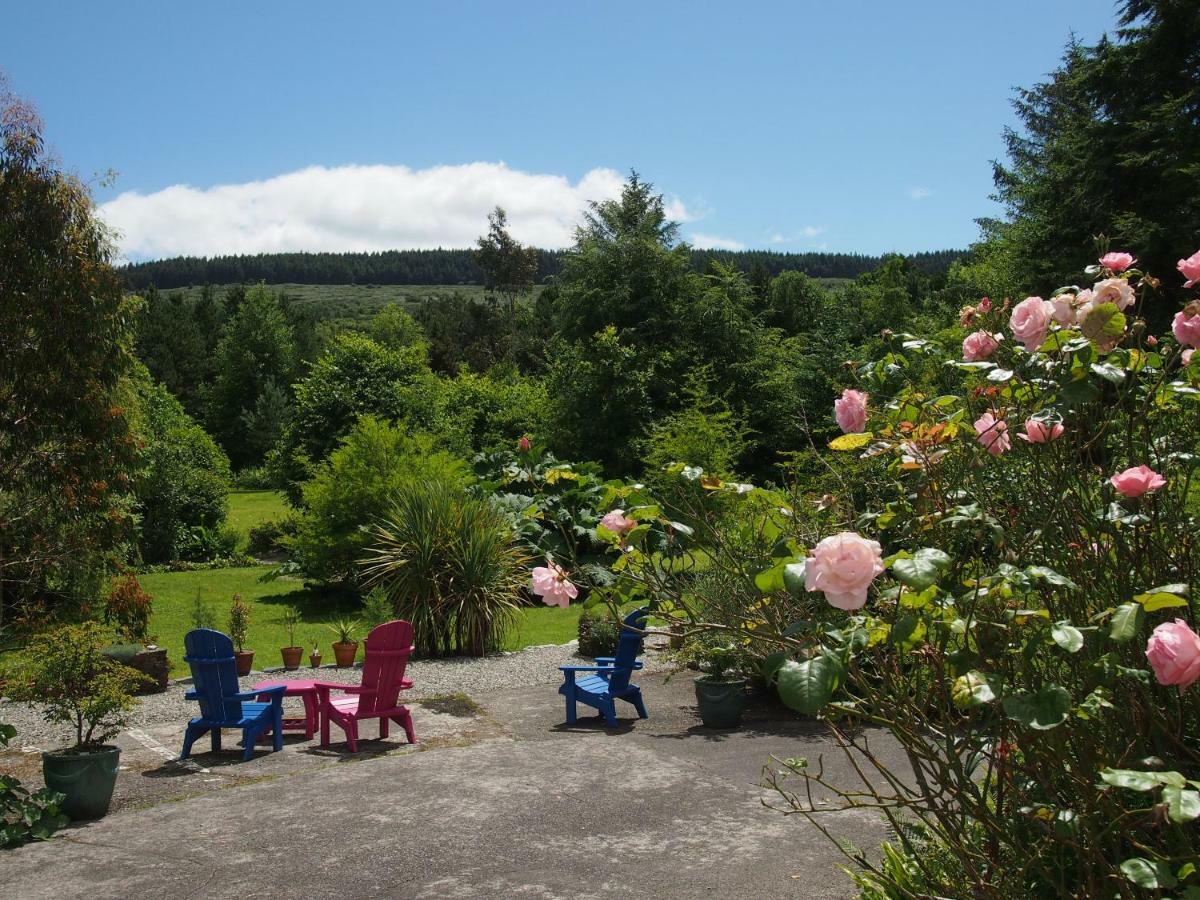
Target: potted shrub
pixel 720 697
pixel 65 672
pixel 239 624
pixel 292 652
pixel 345 648
pixel 314 658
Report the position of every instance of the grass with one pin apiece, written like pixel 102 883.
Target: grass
pixel 174 596
pixel 250 508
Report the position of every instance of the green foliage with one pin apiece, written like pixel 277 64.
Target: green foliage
pixel 65 352
pixel 508 268
pixel 183 482
pixel 127 609
pixel 239 621
pixel 65 672
pixel 255 360
pixel 394 328
pixel 290 620
pixel 350 491
pixel 377 609
pixel 201 613
pixel 345 629
pixel 450 566
pixel 598 632
pixel 357 376
pixel 24 816
pixel 488 412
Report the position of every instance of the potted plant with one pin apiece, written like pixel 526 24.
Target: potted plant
pixel 345 648
pixel 239 624
pixel 292 652
pixel 314 658
pixel 65 672
pixel 719 697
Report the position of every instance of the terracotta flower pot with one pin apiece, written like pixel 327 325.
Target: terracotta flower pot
pixel 245 661
pixel 314 660
pixel 344 653
pixel 291 657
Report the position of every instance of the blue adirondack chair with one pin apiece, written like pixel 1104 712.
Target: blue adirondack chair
pixel 215 685
pixel 611 679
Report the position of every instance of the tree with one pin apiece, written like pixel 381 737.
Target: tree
pixel 66 451
pixel 393 327
pixel 255 356
pixel 509 268
pixel 1110 146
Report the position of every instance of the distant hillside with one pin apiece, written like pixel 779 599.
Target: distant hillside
pixel 452 267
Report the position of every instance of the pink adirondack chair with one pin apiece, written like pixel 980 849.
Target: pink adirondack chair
pixel 388 648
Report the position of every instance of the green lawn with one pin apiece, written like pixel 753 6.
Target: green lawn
pixel 250 508
pixel 175 596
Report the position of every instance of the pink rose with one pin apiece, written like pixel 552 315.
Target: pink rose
pixel 1030 321
pixel 523 444
pixel 851 411
pixel 1117 262
pixel 1136 481
pixel 1186 328
pixel 617 522
pixel 985 305
pixel 1190 268
pixel 1063 309
pixel 1039 431
pixel 1151 341
pixel 1114 290
pixel 993 434
pixel 1174 654
pixel 843 567
pixel 550 583
pixel 978 346
pixel 1083 304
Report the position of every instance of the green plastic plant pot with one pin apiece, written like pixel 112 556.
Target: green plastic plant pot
pixel 86 780
pixel 720 702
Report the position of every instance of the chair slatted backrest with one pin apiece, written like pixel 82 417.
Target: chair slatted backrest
pixel 388 648
pixel 629 647
pixel 214 674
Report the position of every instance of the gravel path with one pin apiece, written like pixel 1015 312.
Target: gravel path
pixel 435 677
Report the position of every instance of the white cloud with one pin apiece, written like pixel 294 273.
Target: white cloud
pixel 714 242
pixel 358 208
pixel 808 232
pixel 919 193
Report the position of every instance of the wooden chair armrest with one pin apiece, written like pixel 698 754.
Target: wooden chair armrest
pixel 192 695
pixel 274 691
pixel 586 668
pixel 611 661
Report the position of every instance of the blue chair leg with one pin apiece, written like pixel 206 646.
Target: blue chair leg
pixel 249 736
pixel 571 714
pixel 216 740
pixel 277 724
pixel 609 710
pixel 189 737
pixel 636 700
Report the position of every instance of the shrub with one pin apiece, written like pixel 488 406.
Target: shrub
pixel 25 816
pixel 270 538
pixel 254 478
pixel 127 609
pixel 201 614
pixel 182 491
pixel 1026 534
pixel 66 673
pixel 353 489
pixel 239 621
pixel 377 609
pixel 598 632
pixel 449 564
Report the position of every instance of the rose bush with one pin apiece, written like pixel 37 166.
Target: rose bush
pixel 1016 616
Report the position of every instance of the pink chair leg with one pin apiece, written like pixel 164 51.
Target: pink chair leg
pixel 383 726
pixel 404 720
pixel 325 728
pixel 352 734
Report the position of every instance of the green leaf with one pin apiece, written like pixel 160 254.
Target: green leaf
pixel 770 666
pixel 1127 622
pixel 970 690
pixel 793 578
pixel 908 632
pixel 1152 602
pixel 1080 393
pixel 770 580
pixel 1043 710
pixel 923 569
pixel 1067 636
pixel 1103 324
pixel 1147 874
pixel 1182 805
pixel 1109 372
pixel 807 686
pixel 850 441
pixel 1130 779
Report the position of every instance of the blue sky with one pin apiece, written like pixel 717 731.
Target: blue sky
pixel 851 126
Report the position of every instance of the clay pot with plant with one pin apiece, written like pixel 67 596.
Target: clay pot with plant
pixel 239 625
pixel 314 658
pixel 67 674
pixel 345 648
pixel 292 652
